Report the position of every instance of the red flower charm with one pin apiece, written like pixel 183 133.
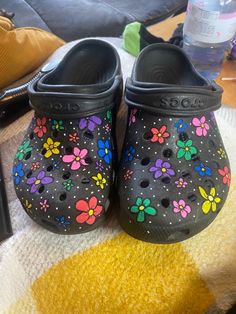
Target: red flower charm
pixel 90 210
pixel 159 135
pixel 40 129
pixel 226 175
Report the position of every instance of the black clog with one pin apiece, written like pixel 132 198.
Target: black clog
pixel 64 169
pixel 174 174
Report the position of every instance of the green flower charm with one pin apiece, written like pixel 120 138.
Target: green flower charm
pixel 68 184
pixel 23 150
pixel 141 208
pixel 109 116
pixel 58 125
pixel 186 149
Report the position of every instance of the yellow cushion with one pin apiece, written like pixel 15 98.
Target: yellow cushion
pixel 22 50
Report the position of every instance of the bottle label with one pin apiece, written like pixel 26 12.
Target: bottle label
pixel 209 26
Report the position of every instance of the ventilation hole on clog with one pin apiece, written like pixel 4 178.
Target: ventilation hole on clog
pixel 62 197
pixel 195 157
pixel 165 202
pixel 88 134
pixel 85 181
pixel 50 168
pixel 29 174
pixel 31 136
pixel 88 160
pixel 216 164
pixel 55 134
pixel 167 153
pixel 212 143
pixel 144 184
pixel 69 150
pixel 147 135
pixel 166 180
pixel 43 151
pixel 183 136
pixel 49 224
pixel 41 189
pixel 209 183
pixel 66 175
pixel 185 231
pixel 145 161
pixel 28 155
pixel 186 174
pixel 192 197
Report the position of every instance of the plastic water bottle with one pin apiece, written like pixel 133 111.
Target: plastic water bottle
pixel 209 26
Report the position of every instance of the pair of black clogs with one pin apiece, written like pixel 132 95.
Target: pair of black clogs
pixel 173 176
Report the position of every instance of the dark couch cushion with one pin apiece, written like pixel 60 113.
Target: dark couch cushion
pixel 72 19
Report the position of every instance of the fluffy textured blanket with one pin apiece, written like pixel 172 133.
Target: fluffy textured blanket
pixel 107 271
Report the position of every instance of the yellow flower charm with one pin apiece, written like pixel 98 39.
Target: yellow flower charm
pixel 28 207
pixel 100 181
pixel 211 200
pixel 51 147
pixel 222 153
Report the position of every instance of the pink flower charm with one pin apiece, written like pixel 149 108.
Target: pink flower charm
pixel 201 125
pixel 128 175
pixel 182 208
pixel 40 129
pixel 180 183
pixel 35 166
pixel 132 117
pixel 44 205
pixel 77 158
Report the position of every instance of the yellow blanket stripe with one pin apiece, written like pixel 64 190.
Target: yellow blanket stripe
pixel 123 275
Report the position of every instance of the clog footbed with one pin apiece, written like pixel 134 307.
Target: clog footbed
pixel 174 173
pixel 64 169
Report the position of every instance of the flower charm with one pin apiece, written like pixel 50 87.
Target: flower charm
pixel 28 207
pixel 100 181
pixel 142 207
pixel 23 150
pixel 89 123
pixel 180 183
pixel 58 125
pixel 73 137
pixel 68 184
pixel 99 166
pixel 132 117
pixel 62 221
pixel 109 116
pixel 211 200
pixel 76 159
pixel 40 129
pixel 55 165
pixel 225 173
pixel 201 126
pixel 203 170
pixel 186 149
pixel 181 126
pixel 159 135
pixel 162 168
pixel 44 205
pixel 35 166
pixel 182 208
pixel 90 210
pixel 18 173
pixel 107 128
pixel 129 153
pixel 222 153
pixel 128 175
pixel 104 150
pixel 36 182
pixel 51 147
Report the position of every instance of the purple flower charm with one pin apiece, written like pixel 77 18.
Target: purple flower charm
pixel 36 182
pixel 162 169
pixel 89 123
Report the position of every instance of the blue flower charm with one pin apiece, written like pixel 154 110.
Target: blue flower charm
pixel 129 153
pixel 181 126
pixel 104 150
pixel 203 170
pixel 18 173
pixel 62 221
